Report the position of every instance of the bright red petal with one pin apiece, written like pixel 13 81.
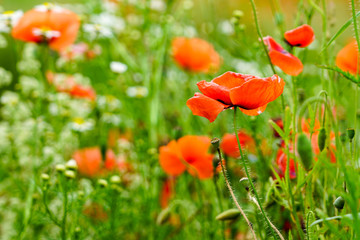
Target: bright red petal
pixel 257 92
pixel 254 112
pixel 347 58
pixel 301 36
pixel 285 61
pixel 170 159
pixel 204 106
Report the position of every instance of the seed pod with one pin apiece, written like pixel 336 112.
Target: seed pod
pixel 322 139
pixel 229 214
pixel 215 142
pixel 350 133
pixel 305 151
pixel 339 203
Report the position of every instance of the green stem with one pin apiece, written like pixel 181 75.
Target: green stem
pixel 250 179
pixel 223 170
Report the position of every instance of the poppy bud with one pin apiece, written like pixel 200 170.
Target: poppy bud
pixel 102 183
pixel 339 203
pixel 230 214
pixel 69 174
pixel 322 139
pixel 305 151
pixel 350 133
pixel 163 216
pixel 245 183
pixel 215 142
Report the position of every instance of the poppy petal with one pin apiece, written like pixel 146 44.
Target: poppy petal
pixel 285 61
pixel 258 92
pixel 347 58
pixel 88 161
pixel 301 36
pixel 232 79
pixel 204 106
pixel 215 91
pixel 203 166
pixel 254 112
pixel 169 159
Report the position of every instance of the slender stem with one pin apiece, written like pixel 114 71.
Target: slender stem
pixel 65 205
pixel 223 170
pixel 249 177
pixel 48 211
pixel 272 225
pixel 260 35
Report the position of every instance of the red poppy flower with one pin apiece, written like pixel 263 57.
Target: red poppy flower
pixel 116 163
pixel 89 161
pixel 230 146
pixel 251 94
pixel 195 54
pixel 66 83
pixel 187 153
pixel 348 58
pixel 280 57
pixel 301 36
pixel 48 23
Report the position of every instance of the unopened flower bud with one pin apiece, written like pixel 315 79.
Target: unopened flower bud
pixel 305 151
pixel 339 203
pixel 322 139
pixel 115 179
pixel 245 183
pixel 343 137
pixel 70 174
pixel 216 162
pixel 230 214
pixel 102 183
pixel 238 14
pixel 215 142
pixel 60 168
pixel 350 133
pixel 45 177
pixel 71 165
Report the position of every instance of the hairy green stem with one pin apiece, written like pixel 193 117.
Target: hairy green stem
pixel 249 177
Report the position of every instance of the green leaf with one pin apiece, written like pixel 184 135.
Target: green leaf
pixel 340 31
pixel 347 75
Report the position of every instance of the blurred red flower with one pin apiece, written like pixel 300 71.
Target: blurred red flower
pixel 251 94
pixel 348 58
pixel 66 83
pixel 48 23
pixel 230 147
pixel 90 162
pixel 301 36
pixel 187 153
pixel 195 54
pixel 284 60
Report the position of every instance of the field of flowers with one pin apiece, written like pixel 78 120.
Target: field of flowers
pixel 179 119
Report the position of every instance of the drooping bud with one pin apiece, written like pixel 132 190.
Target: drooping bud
pixel 245 183
pixel 350 133
pixel 322 139
pixel 230 214
pixel 305 151
pixel 216 162
pixel 339 203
